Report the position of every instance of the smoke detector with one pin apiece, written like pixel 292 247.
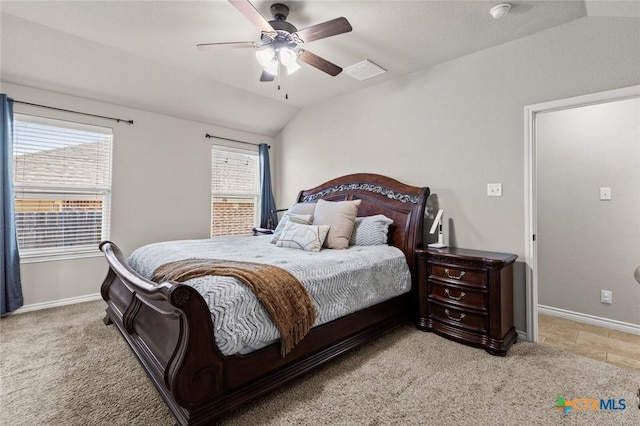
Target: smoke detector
pixel 500 10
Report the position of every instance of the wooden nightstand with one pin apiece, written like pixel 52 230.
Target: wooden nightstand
pixel 467 296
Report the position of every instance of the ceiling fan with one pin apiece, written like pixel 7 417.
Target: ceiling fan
pixel 280 44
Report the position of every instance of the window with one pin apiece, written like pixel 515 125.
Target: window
pixel 62 180
pixel 235 191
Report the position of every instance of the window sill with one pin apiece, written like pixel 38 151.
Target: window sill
pixel 51 257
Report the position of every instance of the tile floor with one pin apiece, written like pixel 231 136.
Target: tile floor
pixel 603 344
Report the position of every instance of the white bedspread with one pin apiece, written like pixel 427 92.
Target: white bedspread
pixel 339 281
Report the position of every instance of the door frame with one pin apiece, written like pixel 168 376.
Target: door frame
pixel 530 177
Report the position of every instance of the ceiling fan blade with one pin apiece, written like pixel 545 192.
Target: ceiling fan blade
pixel 265 76
pixel 325 29
pixel 320 63
pixel 229 45
pixel 252 14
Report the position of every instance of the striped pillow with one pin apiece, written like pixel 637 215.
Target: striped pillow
pixel 370 231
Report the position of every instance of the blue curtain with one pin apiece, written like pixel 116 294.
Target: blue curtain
pixel 10 288
pixel 268 216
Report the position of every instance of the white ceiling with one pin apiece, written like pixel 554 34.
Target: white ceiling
pixel 142 53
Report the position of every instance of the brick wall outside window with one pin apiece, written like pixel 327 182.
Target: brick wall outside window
pixel 231 218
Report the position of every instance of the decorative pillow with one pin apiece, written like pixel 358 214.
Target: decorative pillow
pixel 339 215
pixel 302 208
pixel 297 209
pixel 303 219
pixel 370 230
pixel 304 237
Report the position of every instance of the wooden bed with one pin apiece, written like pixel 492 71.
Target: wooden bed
pixel 169 327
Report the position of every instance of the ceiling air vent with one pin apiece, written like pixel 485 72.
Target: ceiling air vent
pixel 364 70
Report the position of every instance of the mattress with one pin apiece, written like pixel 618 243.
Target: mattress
pixel 340 282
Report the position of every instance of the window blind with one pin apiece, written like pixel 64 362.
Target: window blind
pixel 62 185
pixel 235 191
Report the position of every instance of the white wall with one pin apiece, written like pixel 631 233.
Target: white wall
pixel 161 186
pixel 586 245
pixel 460 125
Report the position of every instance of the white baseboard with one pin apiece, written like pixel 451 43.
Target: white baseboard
pixel 56 303
pixel 590 319
pixel 522 335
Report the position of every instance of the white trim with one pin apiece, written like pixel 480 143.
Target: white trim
pixel 625 327
pixel 57 303
pixel 37 256
pixel 238 149
pixel 531 258
pixel 530 175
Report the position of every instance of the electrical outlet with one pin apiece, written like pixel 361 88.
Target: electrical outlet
pixel 494 190
pixel 606 297
pixel 605 194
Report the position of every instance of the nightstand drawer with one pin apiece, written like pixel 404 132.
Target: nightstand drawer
pixel 467 276
pixel 463 297
pixel 460 318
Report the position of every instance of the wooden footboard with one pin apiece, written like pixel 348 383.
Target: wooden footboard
pixel 170 330
pixel 157 320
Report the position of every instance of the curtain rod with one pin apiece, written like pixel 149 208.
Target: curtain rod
pixel 208 136
pixel 75 112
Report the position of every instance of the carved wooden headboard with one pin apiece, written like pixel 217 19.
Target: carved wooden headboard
pixel 405 204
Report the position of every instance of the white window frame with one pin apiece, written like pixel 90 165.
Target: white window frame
pixel 74 192
pixel 237 196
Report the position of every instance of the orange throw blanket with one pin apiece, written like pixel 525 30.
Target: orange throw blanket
pixel 285 299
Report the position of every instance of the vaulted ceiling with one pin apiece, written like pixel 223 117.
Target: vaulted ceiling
pixel 143 54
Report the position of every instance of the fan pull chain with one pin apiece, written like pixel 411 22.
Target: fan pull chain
pixel 286 84
pixel 283 76
pixel 282 81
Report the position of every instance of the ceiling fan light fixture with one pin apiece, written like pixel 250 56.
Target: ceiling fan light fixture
pixel 280 41
pixel 293 67
pixel 265 56
pixel 288 56
pixel 271 67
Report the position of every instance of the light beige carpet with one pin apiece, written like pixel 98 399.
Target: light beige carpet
pixel 58 367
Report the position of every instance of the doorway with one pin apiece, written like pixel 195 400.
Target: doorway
pixel 597 226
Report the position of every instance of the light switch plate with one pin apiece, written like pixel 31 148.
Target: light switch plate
pixel 494 190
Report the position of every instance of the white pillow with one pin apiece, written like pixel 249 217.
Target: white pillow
pixel 302 219
pixel 339 215
pixel 303 208
pixel 299 209
pixel 370 230
pixel 304 237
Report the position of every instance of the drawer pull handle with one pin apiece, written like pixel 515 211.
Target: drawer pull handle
pixel 446 311
pixel 462 294
pixel 453 277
